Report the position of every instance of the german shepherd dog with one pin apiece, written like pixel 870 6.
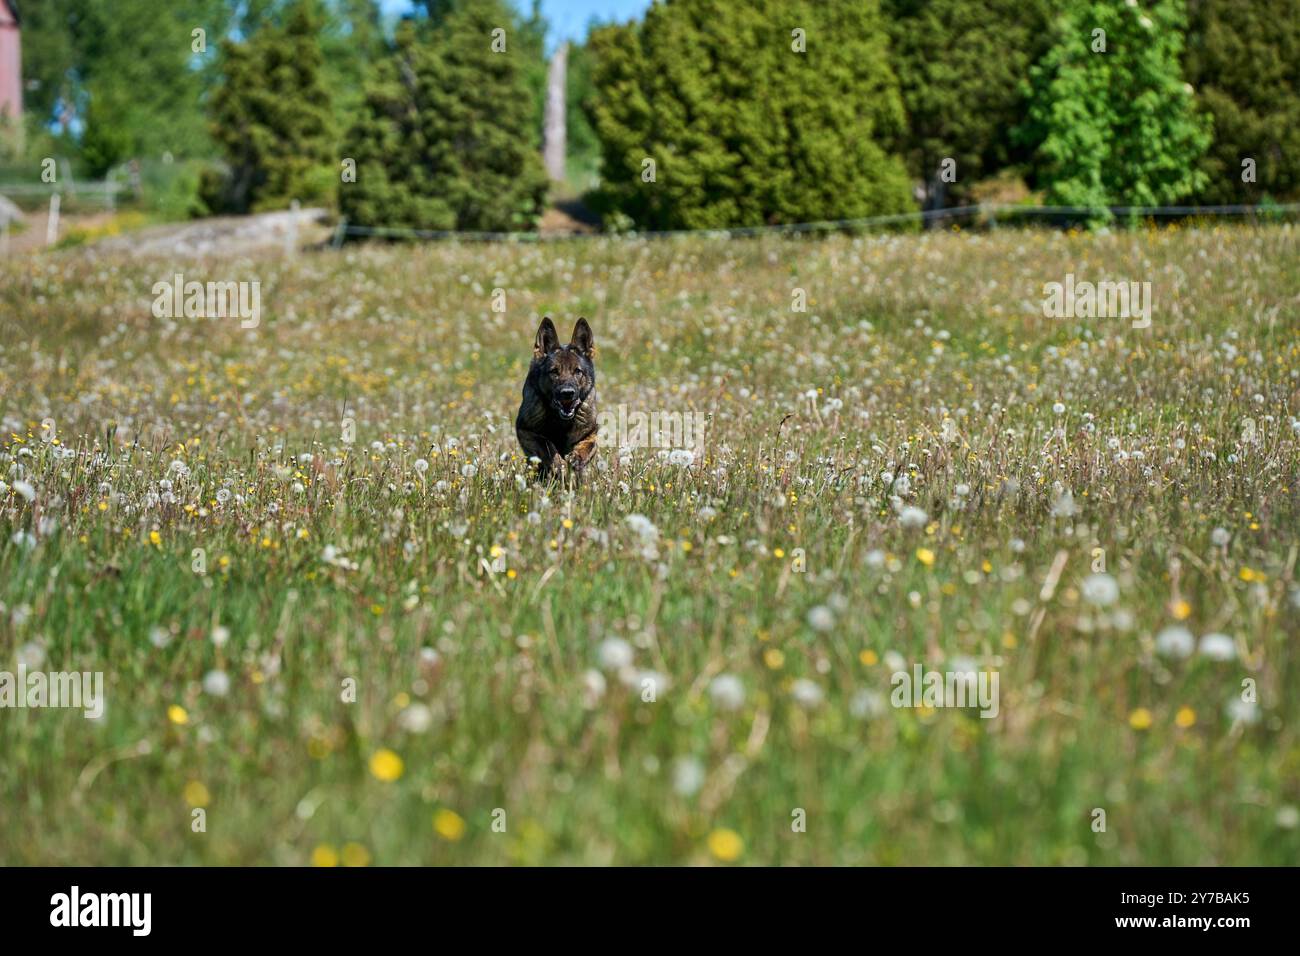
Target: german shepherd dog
pixel 557 419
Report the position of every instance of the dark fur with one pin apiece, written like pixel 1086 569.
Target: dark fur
pixel 559 378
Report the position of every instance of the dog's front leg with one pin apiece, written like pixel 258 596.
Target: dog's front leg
pixel 583 452
pixel 538 446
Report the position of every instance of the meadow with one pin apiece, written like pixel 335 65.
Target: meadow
pixel 339 625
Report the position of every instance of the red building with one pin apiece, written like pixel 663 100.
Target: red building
pixel 11 68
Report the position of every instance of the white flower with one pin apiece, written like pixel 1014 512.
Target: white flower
pixel 727 691
pixel 1220 537
pixel 1064 506
pixel 25 489
pixel 875 558
pixel 651 681
pixel 614 654
pixel 682 457
pixel 1243 711
pixel 159 637
pixel 1175 641
pixel 468 470
pixel 806 694
pixel 420 465
pixel 1288 817
pixel 593 686
pixel 31 655
pixel 1100 589
pixel 415 719
pixel 216 683
pixel 688 776
pixel 821 618
pixel 867 704
pixel 332 556
pixel 912 517
pixel 643 526
pixel 1218 647
pixel 1058 409
pixel 220 635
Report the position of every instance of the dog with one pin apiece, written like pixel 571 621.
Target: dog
pixel 557 418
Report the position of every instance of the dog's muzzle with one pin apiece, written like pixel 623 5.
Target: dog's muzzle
pixel 567 401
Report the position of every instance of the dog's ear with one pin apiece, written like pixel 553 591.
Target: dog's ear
pixel 582 339
pixel 547 341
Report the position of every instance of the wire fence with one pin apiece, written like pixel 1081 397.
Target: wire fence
pixel 100 193
pixel 989 215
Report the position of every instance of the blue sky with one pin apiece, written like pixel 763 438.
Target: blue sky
pixel 568 18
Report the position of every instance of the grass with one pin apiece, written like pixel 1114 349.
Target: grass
pixel 348 681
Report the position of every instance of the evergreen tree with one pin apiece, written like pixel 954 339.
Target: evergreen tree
pixel 748 118
pixel 449 138
pixel 1243 58
pixel 961 66
pixel 352 40
pixel 272 118
pixel 1111 117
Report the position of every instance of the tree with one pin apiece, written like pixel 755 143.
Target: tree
pixel 351 40
pixel 1112 120
pixel 712 113
pixel 124 77
pixel 1243 58
pixel 448 138
pixel 961 66
pixel 272 118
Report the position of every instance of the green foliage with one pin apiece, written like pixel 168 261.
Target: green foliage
pixel 351 39
pixel 106 142
pixel 1244 61
pixel 961 66
pixel 583 145
pixel 273 120
pixel 448 138
pixel 1117 127
pixel 743 130
pixel 126 70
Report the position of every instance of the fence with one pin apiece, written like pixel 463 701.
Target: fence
pixel 35 194
pixel 987 214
